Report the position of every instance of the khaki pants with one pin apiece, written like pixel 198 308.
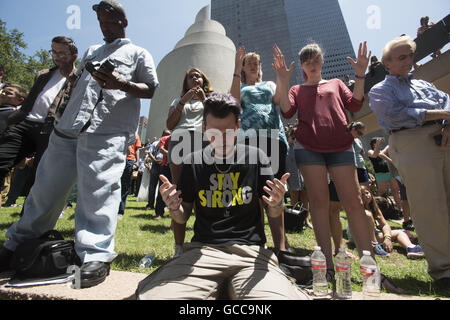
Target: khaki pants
pixel 425 170
pixel 247 272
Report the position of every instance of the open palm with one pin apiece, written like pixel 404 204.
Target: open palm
pixel 279 65
pixel 360 65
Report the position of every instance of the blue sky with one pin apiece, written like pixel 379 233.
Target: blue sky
pixel 158 25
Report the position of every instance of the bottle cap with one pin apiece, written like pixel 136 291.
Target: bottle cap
pixel 317 248
pixel 366 253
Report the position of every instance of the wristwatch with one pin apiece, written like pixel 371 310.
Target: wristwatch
pixel 126 87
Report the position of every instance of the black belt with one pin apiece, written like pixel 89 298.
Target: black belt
pixel 62 135
pixel 426 123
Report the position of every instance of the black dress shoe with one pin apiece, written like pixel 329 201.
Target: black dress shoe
pixel 5 259
pixel 93 273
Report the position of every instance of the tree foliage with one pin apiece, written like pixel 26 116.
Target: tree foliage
pixel 20 68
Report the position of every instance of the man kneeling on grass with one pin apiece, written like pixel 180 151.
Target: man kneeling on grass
pixel 225 182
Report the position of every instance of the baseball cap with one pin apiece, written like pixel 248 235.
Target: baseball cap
pixel 110 6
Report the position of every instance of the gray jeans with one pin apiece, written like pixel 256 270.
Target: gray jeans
pixel 96 162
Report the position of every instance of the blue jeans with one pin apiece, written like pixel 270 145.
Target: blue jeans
pixel 154 178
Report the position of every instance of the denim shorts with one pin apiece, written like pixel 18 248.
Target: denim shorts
pixel 305 157
pixel 363 176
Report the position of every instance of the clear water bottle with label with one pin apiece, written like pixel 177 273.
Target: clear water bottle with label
pixel 371 277
pixel 319 270
pixel 343 275
pixel 146 261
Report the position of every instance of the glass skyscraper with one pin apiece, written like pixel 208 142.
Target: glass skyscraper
pixel 291 24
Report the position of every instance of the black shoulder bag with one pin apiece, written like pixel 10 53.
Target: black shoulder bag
pixel 295 217
pixel 47 256
pixel 295 266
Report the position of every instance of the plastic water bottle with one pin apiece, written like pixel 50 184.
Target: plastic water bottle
pixel 319 270
pixel 371 277
pixel 343 275
pixel 146 261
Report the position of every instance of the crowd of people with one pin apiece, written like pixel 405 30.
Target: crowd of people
pixel 230 159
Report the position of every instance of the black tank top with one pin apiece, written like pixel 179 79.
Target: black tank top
pixel 379 165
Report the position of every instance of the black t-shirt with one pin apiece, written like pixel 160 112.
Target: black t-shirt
pixel 226 196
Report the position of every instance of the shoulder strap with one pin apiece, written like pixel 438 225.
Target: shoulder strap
pixel 51 235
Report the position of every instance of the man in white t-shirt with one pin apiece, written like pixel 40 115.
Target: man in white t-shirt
pixel 29 127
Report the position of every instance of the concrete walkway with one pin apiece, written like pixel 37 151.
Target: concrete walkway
pixel 119 285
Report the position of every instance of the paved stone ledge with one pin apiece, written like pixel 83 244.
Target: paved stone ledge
pixel 119 285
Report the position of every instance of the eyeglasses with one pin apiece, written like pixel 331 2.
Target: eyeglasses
pixel 58 54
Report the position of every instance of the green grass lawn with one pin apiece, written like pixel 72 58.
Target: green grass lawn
pixel 138 234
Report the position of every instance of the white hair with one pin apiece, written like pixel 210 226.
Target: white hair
pixel 394 43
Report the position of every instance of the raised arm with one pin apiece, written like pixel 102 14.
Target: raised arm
pixel 283 78
pixel 235 90
pixel 384 154
pixel 360 66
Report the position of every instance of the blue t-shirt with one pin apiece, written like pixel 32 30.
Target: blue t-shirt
pixel 358 147
pixel 258 110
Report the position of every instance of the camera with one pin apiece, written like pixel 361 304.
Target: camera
pixel 48 125
pixel 107 66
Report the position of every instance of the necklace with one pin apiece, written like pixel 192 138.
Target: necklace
pixel 229 167
pixel 223 171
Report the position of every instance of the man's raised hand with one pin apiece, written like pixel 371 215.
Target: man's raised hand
pixel 169 194
pixel 276 190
